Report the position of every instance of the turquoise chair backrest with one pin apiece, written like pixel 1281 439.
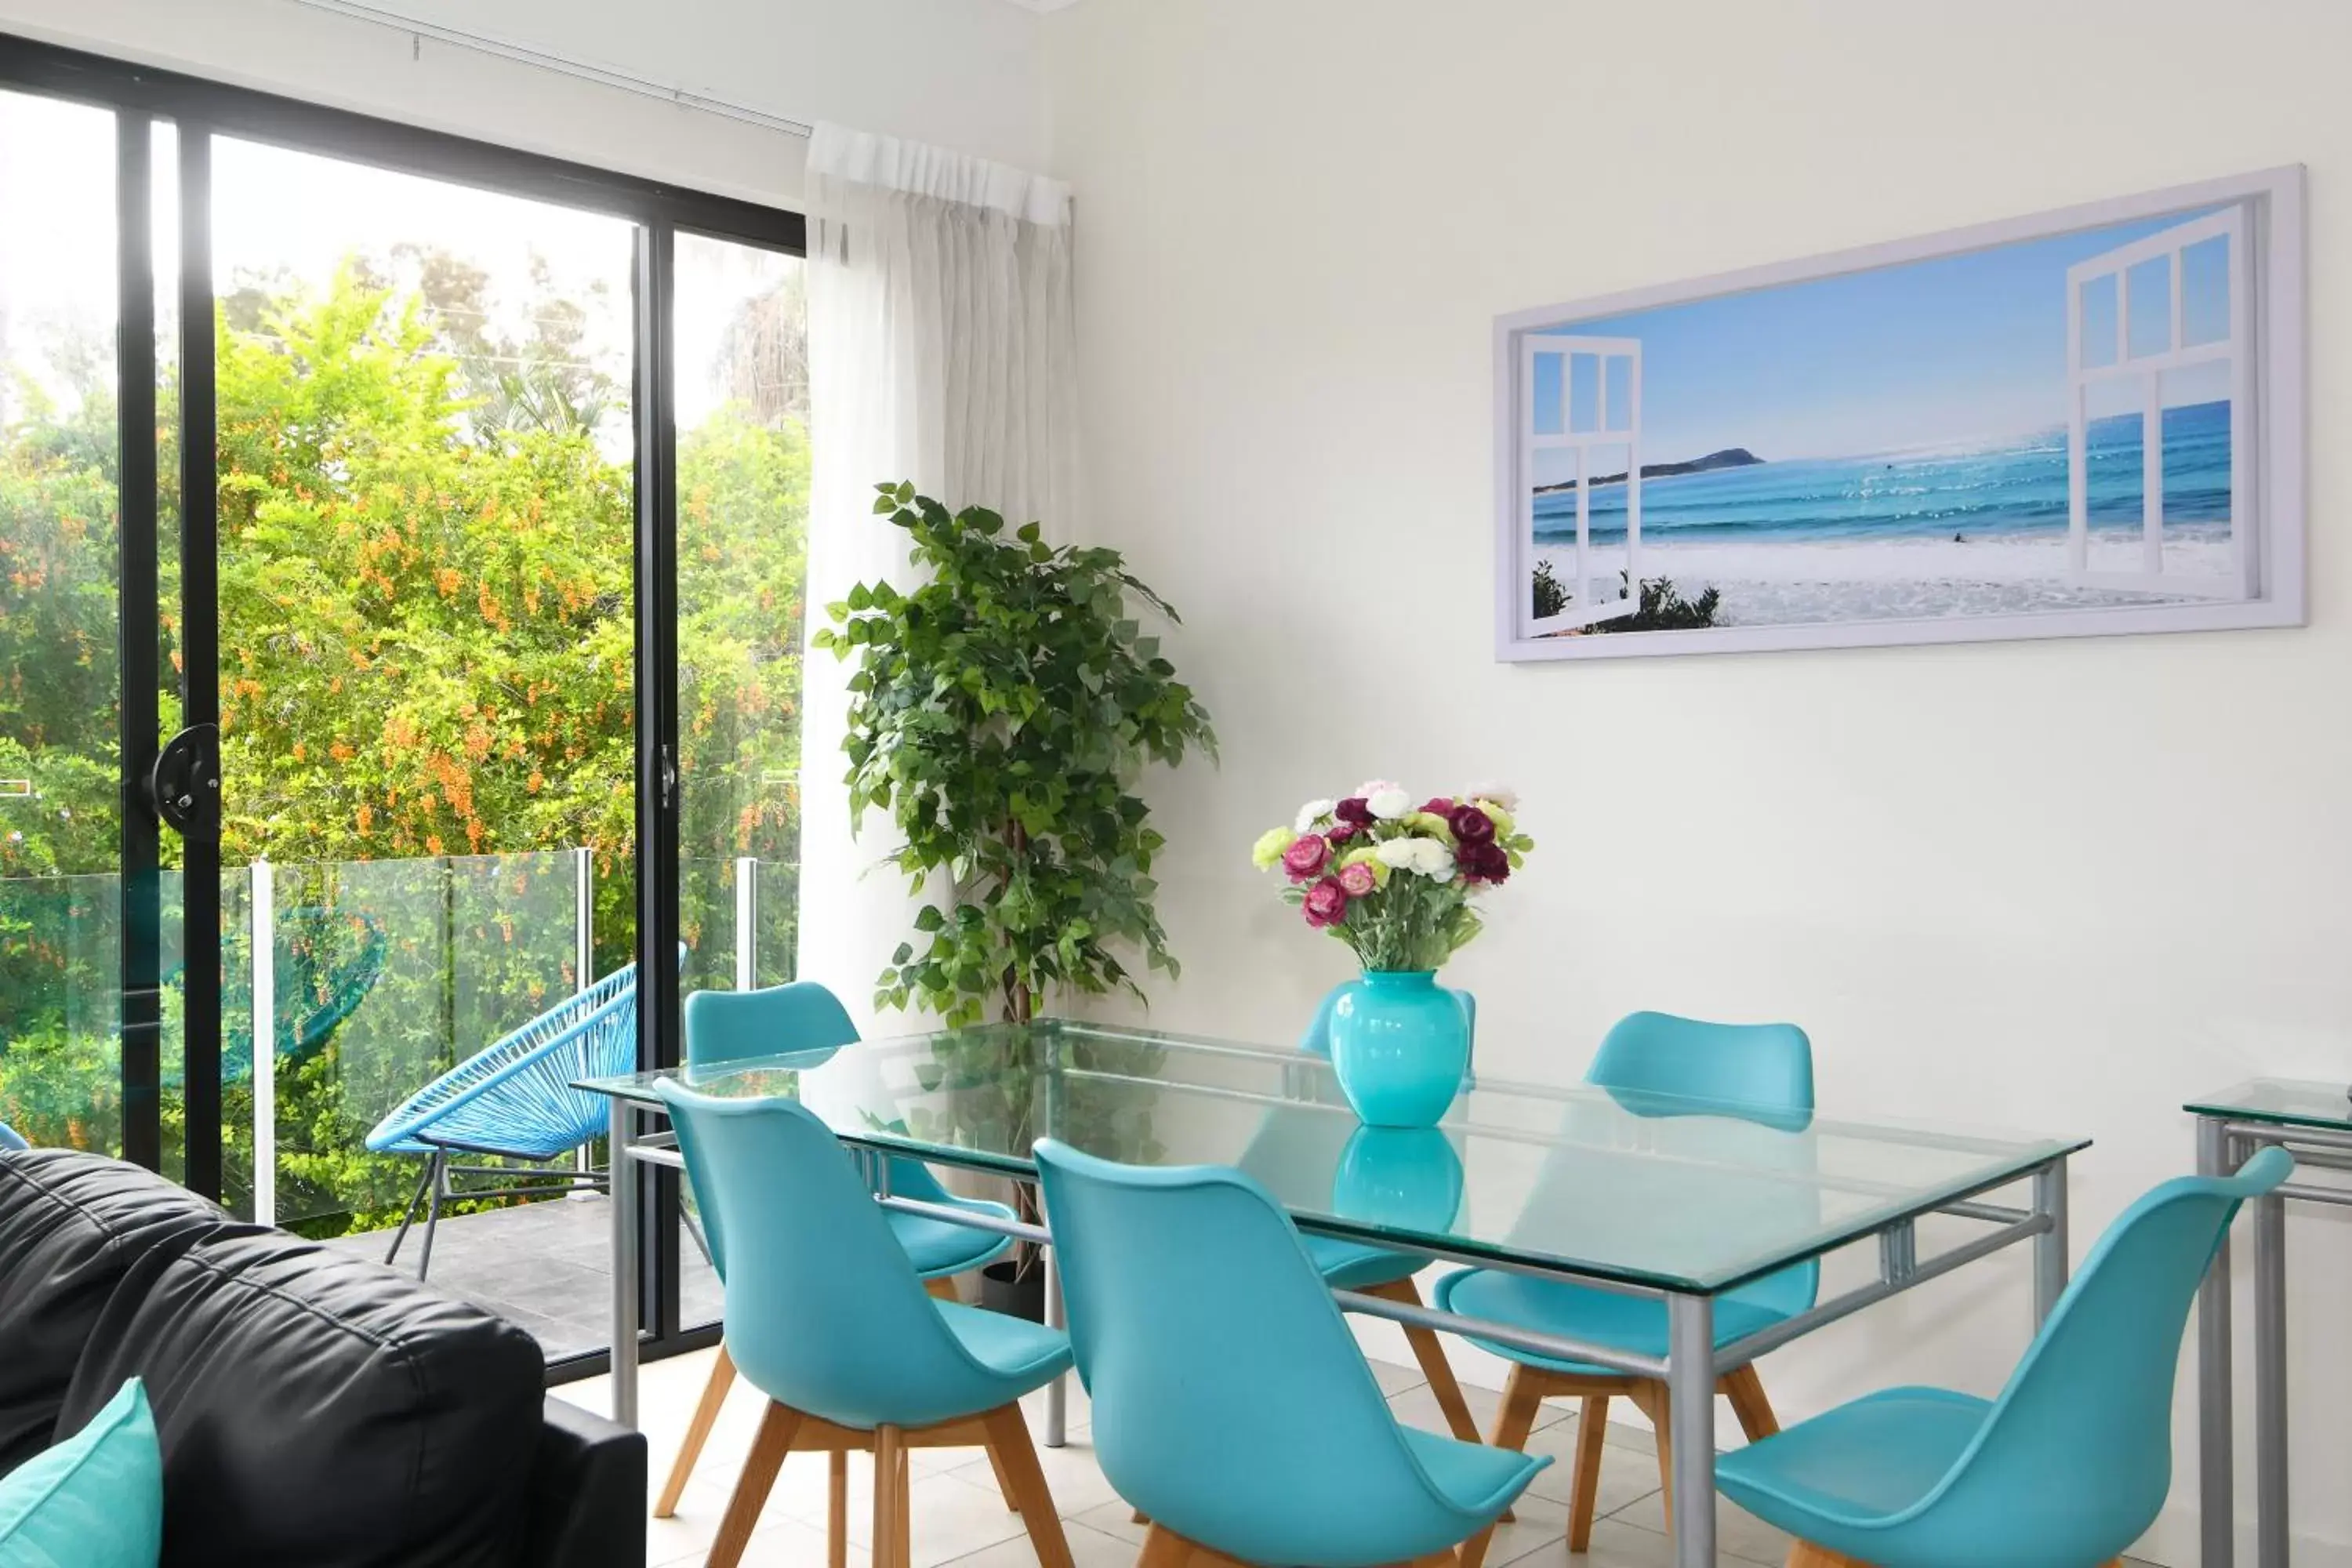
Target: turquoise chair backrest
pixel 1231 1404
pixel 1758 1072
pixel 1316 1041
pixel 726 1026
pixel 824 1311
pixel 2076 1456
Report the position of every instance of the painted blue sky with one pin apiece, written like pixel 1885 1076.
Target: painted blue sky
pixel 1928 354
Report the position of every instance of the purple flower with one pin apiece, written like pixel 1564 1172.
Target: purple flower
pixel 1353 809
pixel 1358 879
pixel 1438 806
pixel 1470 825
pixel 1306 856
pixel 1487 862
pixel 1327 903
pixel 1342 831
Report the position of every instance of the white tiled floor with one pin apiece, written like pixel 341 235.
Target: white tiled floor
pixel 960 1519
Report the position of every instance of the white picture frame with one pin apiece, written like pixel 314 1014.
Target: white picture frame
pixel 2241 570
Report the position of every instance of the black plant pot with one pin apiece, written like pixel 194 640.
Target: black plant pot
pixel 1005 1287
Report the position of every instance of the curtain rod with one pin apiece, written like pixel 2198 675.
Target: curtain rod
pixel 563 65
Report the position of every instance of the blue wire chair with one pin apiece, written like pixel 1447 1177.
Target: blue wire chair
pixel 515 1101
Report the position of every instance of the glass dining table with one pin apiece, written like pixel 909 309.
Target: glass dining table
pixel 1676 1199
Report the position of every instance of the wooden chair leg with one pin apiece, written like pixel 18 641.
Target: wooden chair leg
pixel 1439 1372
pixel 942 1288
pixel 1651 1399
pixel 1008 1441
pixel 751 1488
pixel 1805 1554
pixel 697 1432
pixel 892 1522
pixel 1745 1391
pixel 1522 1400
pixel 1591 1432
pixel 1003 1481
pixel 1164 1549
pixel 836 1511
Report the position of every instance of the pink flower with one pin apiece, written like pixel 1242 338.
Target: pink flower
pixel 1341 831
pixel 1306 856
pixel 1358 879
pixel 1438 806
pixel 1470 825
pixel 1327 903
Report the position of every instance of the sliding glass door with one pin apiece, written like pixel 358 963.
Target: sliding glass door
pixel 399 636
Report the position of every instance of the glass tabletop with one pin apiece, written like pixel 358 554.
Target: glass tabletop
pixel 1676 1194
pixel 2281 1102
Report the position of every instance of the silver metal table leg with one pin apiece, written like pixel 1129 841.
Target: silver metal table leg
pixel 2215 1462
pixel 2051 1260
pixel 1690 1406
pixel 1057 1392
pixel 2270 1379
pixel 622 1169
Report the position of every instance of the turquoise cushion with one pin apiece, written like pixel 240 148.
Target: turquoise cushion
pixel 95 1501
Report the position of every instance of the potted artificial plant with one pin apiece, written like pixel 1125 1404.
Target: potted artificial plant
pixel 1001 712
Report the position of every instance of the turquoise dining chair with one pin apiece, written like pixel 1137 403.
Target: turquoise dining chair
pixel 1653 1064
pixel 826 1317
pixel 1354 1264
pixel 2066 1468
pixel 1243 1419
pixel 804 1017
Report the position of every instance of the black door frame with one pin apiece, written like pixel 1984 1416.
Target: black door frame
pixel 142 97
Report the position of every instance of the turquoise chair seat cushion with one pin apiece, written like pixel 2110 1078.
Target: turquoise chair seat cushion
pixel 95 1501
pixel 1025 1355
pixel 1353 1265
pixel 937 1246
pixel 1633 1323
pixel 1477 1479
pixel 1859 1465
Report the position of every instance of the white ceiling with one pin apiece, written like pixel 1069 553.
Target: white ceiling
pixel 1043 5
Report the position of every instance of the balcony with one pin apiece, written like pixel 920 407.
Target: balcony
pixel 372 978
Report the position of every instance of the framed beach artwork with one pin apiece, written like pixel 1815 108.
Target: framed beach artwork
pixel 2085 422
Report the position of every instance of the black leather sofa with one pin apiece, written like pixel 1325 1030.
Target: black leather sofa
pixel 315 1410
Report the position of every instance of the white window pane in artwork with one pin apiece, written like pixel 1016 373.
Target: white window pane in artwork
pixel 1617 400
pixel 2101 320
pixel 2197 416
pixel 2205 291
pixel 1546 411
pixel 1583 392
pixel 2149 290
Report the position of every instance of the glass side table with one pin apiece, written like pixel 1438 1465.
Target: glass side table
pixel 2314 1121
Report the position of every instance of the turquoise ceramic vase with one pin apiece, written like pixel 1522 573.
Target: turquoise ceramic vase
pixel 1406 1177
pixel 1399 1046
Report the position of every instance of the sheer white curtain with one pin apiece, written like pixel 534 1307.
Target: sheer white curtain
pixel 943 349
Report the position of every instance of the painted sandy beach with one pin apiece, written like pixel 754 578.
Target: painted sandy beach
pixel 1973 528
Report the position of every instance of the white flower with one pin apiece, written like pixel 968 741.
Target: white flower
pixel 1503 795
pixel 1400 854
pixel 1389 803
pixel 1312 812
pixel 1433 859
pixel 1370 787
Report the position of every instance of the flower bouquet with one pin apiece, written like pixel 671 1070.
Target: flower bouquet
pixel 1399 883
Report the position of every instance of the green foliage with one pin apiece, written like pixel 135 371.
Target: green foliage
pixel 425 600
pixel 1551 593
pixel 1000 713
pixel 1664 608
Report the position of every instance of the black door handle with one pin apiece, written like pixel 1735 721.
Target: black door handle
pixel 184 784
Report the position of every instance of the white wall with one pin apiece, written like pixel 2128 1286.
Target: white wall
pixel 962 73
pixel 2055 886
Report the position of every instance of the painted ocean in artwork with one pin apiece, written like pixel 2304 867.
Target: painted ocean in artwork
pixel 1813 452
